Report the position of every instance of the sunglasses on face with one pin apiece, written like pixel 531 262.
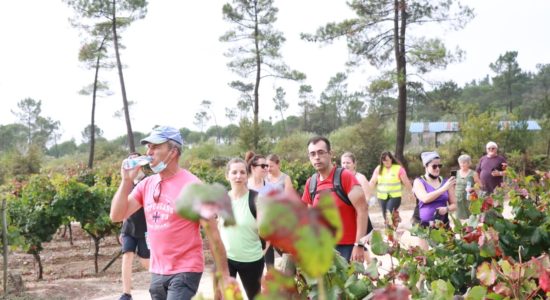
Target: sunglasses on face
pixel 437 166
pixel 264 166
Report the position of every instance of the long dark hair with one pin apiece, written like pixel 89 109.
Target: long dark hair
pixel 251 159
pixel 394 161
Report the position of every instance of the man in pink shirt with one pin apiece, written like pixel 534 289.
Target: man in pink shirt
pixel 176 246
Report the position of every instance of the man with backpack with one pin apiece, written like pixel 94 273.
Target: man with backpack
pixel 347 194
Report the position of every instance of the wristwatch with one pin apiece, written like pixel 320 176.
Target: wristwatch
pixel 359 244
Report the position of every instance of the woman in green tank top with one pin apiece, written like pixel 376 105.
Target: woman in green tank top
pixel 241 241
pixel 466 178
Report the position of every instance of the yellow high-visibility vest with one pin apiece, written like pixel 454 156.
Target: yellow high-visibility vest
pixel 389 183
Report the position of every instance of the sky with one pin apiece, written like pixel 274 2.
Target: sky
pixel 174 59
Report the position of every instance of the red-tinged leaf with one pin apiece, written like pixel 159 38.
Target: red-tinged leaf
pixel 486 275
pixel 199 200
pixel 502 290
pixel 544 281
pixel 232 290
pixel 473 236
pixel 309 234
pixel 276 285
pixel 488 203
pixel 543 265
pixel 391 292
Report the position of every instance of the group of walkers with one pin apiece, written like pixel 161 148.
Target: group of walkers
pixel 175 243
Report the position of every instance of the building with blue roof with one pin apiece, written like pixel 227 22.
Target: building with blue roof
pixel 433 134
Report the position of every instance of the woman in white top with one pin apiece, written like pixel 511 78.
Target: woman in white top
pixel 348 162
pixel 257 170
pixel 242 242
pixel 275 178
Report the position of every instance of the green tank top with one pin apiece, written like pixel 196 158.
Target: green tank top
pixel 241 241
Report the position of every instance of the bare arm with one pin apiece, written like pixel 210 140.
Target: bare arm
pixel 451 205
pixel 374 178
pixel 289 189
pixel 357 198
pixel 122 206
pixel 364 184
pixel 476 179
pixel 407 184
pixel 422 195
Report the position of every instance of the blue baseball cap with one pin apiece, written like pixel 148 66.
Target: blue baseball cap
pixel 162 134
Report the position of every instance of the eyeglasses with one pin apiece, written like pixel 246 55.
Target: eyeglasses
pixel 156 196
pixel 317 153
pixel 491 148
pixel 437 166
pixel 264 166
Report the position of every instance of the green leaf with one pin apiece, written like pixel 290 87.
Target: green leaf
pixel 378 246
pixel 475 206
pixel 442 290
pixel 486 275
pixel 372 269
pixel 438 235
pixel 536 237
pixel 476 293
pixel 494 296
pixel 198 200
pixel 357 287
pixel 505 267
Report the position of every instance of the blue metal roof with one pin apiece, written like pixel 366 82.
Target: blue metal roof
pixel 419 127
pixel 531 125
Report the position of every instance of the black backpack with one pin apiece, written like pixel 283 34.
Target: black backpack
pixel 336 188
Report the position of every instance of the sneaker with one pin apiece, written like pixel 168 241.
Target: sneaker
pixel 125 297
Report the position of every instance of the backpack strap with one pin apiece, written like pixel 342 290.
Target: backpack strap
pixel 252 195
pixel 312 187
pixel 337 188
pixel 337 185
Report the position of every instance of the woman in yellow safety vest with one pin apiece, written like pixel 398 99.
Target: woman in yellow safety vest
pixel 388 178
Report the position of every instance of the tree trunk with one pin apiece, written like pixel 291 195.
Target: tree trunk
pixel 130 133
pixel 96 253
pixel 256 126
pixel 70 234
pixel 5 246
pixel 94 94
pixel 36 256
pixel 400 59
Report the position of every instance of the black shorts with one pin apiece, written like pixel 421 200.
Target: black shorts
pixel 135 245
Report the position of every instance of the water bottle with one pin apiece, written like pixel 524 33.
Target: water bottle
pixel 468 186
pixel 131 163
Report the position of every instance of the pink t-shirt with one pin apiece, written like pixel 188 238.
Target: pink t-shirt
pixel 175 243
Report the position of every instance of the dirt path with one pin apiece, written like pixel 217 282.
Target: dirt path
pixel 69 270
